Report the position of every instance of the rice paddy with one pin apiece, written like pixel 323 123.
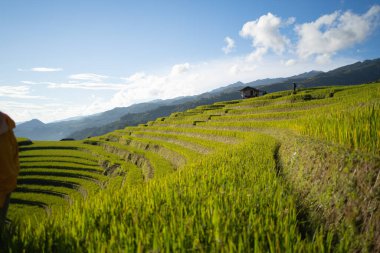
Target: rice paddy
pixel 279 173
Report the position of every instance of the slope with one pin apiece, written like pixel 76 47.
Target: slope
pixel 282 172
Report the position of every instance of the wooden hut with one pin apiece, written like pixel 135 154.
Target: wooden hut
pixel 250 92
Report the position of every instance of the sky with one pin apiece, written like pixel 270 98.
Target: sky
pixel 63 59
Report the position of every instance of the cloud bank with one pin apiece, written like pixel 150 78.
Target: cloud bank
pixel 331 33
pixel 319 39
pixel 22 92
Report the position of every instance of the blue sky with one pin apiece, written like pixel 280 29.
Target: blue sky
pixel 61 59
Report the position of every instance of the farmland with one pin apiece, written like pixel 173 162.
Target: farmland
pixel 279 173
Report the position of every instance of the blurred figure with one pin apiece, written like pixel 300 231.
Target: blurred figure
pixel 9 164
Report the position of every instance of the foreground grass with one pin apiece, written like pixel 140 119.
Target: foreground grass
pixel 230 201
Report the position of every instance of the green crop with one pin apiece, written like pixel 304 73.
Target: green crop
pixel 249 175
pixel 230 201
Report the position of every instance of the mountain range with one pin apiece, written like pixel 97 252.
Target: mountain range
pixel 117 118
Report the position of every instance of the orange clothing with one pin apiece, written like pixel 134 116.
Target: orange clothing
pixel 9 163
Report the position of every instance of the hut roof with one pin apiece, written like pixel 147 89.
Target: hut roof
pixel 249 88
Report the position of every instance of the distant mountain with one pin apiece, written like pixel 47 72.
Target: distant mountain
pixel 101 123
pixel 63 128
pixel 264 82
pixel 36 130
pixel 133 119
pixel 359 72
pixel 306 75
pixel 34 123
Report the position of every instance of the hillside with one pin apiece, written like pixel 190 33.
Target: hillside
pixel 117 118
pixel 279 173
pixel 359 72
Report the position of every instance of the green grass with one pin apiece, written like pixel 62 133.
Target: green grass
pixel 219 136
pixel 201 143
pixel 279 173
pixel 356 127
pixel 186 211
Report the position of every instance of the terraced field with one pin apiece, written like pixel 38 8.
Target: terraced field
pixel 282 172
pixel 55 174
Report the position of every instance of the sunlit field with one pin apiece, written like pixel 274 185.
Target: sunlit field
pixel 282 172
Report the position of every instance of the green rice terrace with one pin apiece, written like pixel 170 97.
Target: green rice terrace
pixel 282 172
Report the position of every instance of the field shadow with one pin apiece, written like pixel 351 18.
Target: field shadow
pixel 62 161
pixel 61 155
pixel 48 182
pixel 60 167
pixel 26 148
pixel 29 203
pixel 48 192
pixel 57 174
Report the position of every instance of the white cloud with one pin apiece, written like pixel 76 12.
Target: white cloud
pixel 334 32
pixel 290 21
pixel 16 92
pixel 180 68
pixel 47 112
pixel 239 69
pixel 180 80
pixel 323 58
pixel 135 77
pixel 290 62
pixel 265 35
pixel 230 45
pixel 28 82
pixel 86 85
pixel 257 55
pixel 44 69
pixel 41 69
pixel 21 111
pixel 88 77
pixel 373 13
